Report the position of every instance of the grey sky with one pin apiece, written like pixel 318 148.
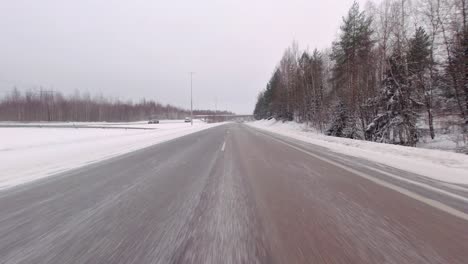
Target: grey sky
pixel 140 48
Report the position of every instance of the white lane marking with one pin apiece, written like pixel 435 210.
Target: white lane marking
pixel 420 184
pixel 456 187
pixel 224 145
pixel 423 185
pixel 428 201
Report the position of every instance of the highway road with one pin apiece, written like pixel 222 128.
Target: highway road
pixel 234 194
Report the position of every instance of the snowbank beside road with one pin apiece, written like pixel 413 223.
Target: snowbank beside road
pixel 28 154
pixel 435 164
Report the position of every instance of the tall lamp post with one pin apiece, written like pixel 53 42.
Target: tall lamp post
pixel 191 99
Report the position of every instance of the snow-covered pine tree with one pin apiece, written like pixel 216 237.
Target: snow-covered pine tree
pixel 339 120
pixel 422 75
pixel 260 109
pixel 343 123
pixel 396 121
pixel 352 57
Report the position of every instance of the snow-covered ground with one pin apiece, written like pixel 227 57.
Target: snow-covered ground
pixel 449 134
pixel 435 164
pixel 28 154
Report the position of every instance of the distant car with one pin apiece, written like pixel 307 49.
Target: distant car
pixel 153 121
pixel 187 120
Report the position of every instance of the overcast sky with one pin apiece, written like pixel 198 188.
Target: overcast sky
pixel 130 49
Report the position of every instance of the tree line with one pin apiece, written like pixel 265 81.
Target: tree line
pixel 47 105
pixel 392 63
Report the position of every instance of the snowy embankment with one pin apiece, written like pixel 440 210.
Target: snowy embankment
pixel 28 154
pixel 436 164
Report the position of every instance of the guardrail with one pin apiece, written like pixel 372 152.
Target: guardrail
pixel 75 126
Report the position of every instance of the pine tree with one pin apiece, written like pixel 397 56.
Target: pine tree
pixel 396 122
pixel 259 112
pixel 421 74
pixel 352 56
pixel 343 124
pixel 339 121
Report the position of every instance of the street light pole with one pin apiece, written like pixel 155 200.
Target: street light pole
pixel 216 108
pixel 191 99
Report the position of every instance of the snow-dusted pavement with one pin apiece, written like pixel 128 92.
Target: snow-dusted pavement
pixel 434 164
pixel 234 194
pixel 31 153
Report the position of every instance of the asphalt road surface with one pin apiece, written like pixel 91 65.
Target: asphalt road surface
pixel 233 194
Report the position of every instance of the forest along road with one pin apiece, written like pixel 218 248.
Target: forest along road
pixel 233 194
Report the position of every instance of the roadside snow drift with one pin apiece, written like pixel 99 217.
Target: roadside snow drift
pixel 28 154
pixel 436 164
